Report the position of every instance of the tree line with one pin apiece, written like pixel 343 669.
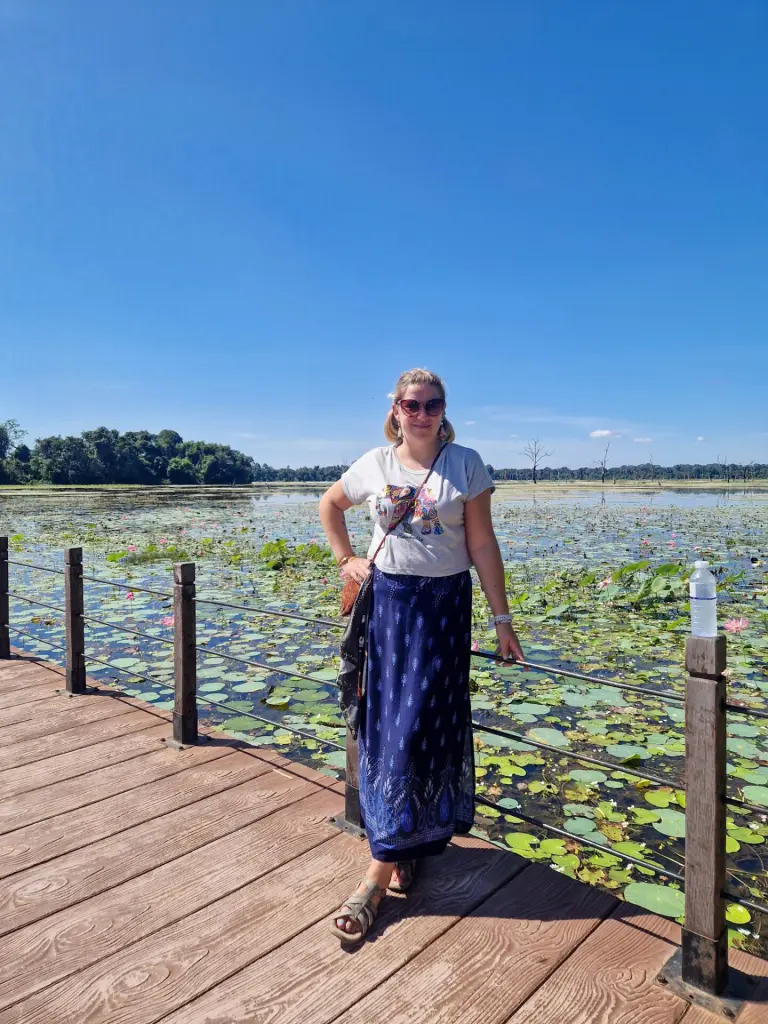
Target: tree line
pixel 104 456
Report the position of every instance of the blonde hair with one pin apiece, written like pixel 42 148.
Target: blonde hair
pixel 405 380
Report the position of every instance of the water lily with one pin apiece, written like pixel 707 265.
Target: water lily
pixel 324 580
pixel 132 548
pixel 736 625
pixel 130 596
pixel 475 646
pixel 167 620
pixel 604 583
pixel 644 543
pixel 671 544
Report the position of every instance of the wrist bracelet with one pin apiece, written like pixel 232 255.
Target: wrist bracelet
pixel 501 618
pixel 344 560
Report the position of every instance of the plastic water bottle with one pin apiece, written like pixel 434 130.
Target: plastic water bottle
pixel 703 601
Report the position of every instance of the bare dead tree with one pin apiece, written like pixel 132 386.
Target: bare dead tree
pixel 534 451
pixel 725 469
pixel 603 463
pixel 651 464
pixel 748 470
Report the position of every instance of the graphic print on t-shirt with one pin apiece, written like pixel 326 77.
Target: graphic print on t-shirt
pixel 392 502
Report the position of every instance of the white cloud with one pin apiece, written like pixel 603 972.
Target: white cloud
pixel 701 438
pixel 469 423
pixel 514 435
pixel 603 433
pixel 643 440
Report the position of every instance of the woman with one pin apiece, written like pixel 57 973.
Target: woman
pixel 416 765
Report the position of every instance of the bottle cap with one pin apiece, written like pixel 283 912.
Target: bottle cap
pixel 701 565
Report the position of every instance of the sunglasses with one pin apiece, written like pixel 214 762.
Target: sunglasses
pixel 433 407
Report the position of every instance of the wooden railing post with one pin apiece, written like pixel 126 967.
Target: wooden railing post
pixel 73 620
pixel 5 640
pixel 705 938
pixel 699 970
pixel 184 655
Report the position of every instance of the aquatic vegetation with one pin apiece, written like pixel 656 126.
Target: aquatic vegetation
pixel 596 587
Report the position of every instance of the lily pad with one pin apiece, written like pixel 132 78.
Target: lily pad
pixel 659 899
pixel 553 737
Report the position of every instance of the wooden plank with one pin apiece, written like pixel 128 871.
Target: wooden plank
pixel 51 838
pixel 70 941
pixel 164 971
pixel 28 695
pixel 16 675
pixel 610 978
pixel 93 709
pixel 97 787
pixel 55 704
pixel 79 762
pixel 311 979
pixel 47 888
pixel 73 739
pixel 487 965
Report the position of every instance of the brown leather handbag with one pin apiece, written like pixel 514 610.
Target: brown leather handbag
pixel 351 588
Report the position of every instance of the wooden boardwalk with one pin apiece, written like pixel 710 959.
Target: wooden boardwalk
pixel 143 884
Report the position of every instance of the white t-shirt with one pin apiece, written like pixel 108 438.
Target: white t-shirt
pixel 432 540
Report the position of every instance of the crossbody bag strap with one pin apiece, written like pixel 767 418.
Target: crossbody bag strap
pixel 410 506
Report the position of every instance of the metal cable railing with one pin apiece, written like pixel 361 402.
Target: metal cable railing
pixel 218 704
pixel 125 586
pixel 594 680
pixel 23 632
pixel 269 721
pixel 41 568
pixel 42 604
pixel 614 766
pixel 747 712
pixel 326 623
pixel 564 834
pixel 125 629
pixel 279 669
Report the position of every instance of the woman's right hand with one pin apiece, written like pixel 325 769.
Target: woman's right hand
pixel 356 569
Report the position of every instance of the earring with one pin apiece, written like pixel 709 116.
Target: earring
pixel 443 431
pixel 399 429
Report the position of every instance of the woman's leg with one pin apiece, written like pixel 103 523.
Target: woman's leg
pixel 378 872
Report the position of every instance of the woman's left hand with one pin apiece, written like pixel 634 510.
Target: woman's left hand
pixel 509 646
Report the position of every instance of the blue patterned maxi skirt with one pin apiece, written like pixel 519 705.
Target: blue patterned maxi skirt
pixel 417 779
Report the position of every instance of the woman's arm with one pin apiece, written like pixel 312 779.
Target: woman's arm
pixel 333 504
pixel 486 557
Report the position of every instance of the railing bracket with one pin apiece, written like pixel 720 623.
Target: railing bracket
pixel 728 1004
pixel 176 745
pixel 340 822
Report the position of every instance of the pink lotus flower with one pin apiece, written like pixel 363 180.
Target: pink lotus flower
pixel 130 595
pixel 167 620
pixel 736 625
pixel 132 548
pixel 604 583
pixel 645 543
pixel 475 646
pixel 163 540
pixel 671 544
pixel 674 534
pixel 323 580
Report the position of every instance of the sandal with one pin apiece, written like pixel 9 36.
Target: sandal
pixel 406 870
pixel 361 910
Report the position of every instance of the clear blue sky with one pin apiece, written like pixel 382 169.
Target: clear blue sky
pixel 242 218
